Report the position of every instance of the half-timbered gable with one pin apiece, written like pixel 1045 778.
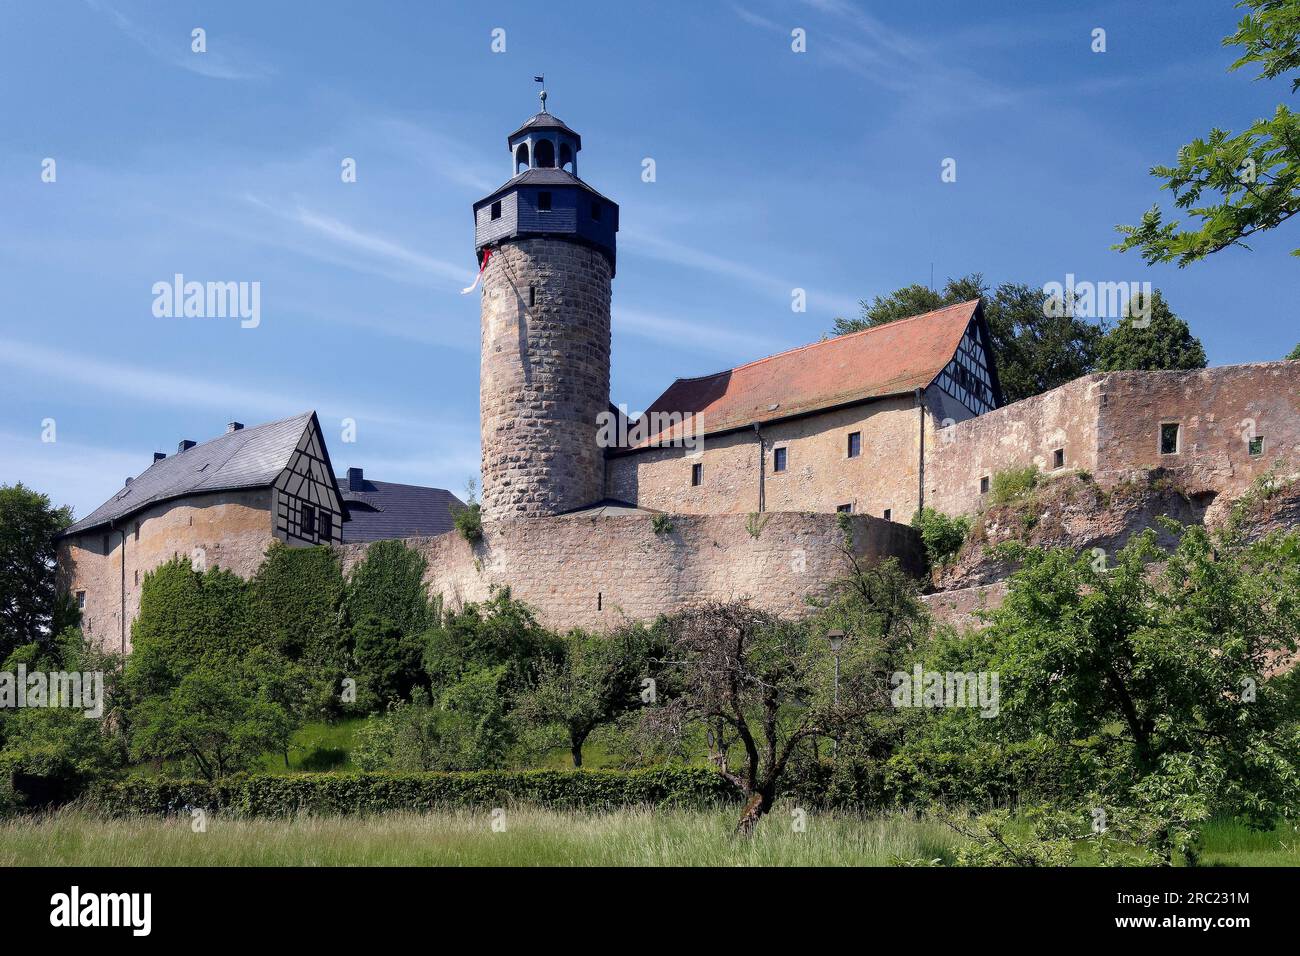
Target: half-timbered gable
pixel 305 498
pixel 971 377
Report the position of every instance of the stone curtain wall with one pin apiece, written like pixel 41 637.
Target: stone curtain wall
pixel 544 377
pixel 1216 409
pixel 232 529
pixel 595 572
pixel 1014 436
pixel 1109 424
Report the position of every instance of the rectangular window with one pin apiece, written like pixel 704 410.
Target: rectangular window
pixel 984 485
pixel 1058 458
pixel 855 444
pixel 81 600
pixel 496 209
pixel 137 531
pixel 844 509
pixel 1170 438
pixel 697 474
pixel 326 526
pixel 543 202
pixel 308 521
pixel 532 296
pixel 595 211
pixel 1256 446
pixel 778 459
pixel 888 515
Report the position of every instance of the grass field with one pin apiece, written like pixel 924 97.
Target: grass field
pixel 532 837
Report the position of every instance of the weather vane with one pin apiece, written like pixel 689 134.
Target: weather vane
pixel 542 95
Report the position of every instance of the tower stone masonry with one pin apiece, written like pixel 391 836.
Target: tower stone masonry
pixel 548 239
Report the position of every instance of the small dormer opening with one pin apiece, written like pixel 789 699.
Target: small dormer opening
pixel 595 211
pixel 543 202
pixel 544 154
pixel 496 209
pixel 521 158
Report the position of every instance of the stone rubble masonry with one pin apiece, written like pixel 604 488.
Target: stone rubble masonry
pixel 819 476
pixel 1109 424
pixel 596 572
pixel 228 529
pixel 544 377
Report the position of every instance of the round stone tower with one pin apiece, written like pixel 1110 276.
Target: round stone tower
pixel 548 239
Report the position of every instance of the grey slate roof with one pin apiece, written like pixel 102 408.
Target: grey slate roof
pixel 544 121
pixel 378 510
pixel 545 176
pixel 248 458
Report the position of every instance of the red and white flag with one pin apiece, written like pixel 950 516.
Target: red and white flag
pixel 487 254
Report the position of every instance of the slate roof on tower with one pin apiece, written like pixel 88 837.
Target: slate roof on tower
pixel 544 120
pixel 246 458
pixel 892 359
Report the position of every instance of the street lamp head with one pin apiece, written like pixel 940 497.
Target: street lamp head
pixel 836 638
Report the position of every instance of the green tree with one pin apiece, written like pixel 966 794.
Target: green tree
pixel 1236 186
pixel 1295 355
pixel 216 721
pixel 31 610
pixel 388 584
pixel 498 631
pixel 1173 664
pixel 941 534
pixel 1034 349
pixel 390 663
pixel 1164 342
pixel 595 681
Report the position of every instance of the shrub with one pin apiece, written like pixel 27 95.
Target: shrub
pixel 942 535
pixel 335 793
pixel 1012 485
pixel 469 520
pixel 661 524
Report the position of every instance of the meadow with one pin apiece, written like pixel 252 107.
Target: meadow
pixel 528 836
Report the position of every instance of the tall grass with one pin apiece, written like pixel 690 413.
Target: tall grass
pixel 532 837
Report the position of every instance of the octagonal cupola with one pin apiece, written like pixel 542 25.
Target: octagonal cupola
pixel 544 196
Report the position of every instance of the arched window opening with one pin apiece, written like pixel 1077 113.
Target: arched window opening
pixel 566 157
pixel 544 154
pixel 521 158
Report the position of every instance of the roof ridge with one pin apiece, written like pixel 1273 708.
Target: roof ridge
pixel 833 338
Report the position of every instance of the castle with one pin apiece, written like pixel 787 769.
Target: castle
pixel 736 484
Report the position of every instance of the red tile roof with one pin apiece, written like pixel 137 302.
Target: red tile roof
pixel 890 359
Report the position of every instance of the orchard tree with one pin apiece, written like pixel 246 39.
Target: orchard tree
pixel 1234 186
pixel 31 609
pixel 596 680
pixel 1150 339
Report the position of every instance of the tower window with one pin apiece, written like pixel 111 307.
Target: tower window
pixel 566 156
pixel 888 514
pixel 778 459
pixel 308 521
pixel 1058 458
pixel 532 296
pixel 1170 438
pixel 543 202
pixel 855 444
pixel 697 474
pixel 544 154
pixel 521 157
pixel 1256 446
pixel 984 485
pixel 496 209
pixel 595 211
pixel 844 509
pixel 81 600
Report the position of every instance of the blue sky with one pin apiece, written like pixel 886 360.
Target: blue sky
pixel 775 170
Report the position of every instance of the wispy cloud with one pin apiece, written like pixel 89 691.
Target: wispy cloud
pixel 158 388
pixel 419 266
pixel 218 63
pixel 736 345
pixel 646 243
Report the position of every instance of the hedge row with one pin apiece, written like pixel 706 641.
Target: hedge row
pixel 337 793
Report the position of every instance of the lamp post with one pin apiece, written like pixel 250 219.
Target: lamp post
pixel 836 639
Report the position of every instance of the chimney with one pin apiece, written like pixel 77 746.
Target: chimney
pixel 233 427
pixel 185 445
pixel 356 479
pixel 159 456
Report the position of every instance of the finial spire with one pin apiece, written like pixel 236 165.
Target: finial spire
pixel 542 95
